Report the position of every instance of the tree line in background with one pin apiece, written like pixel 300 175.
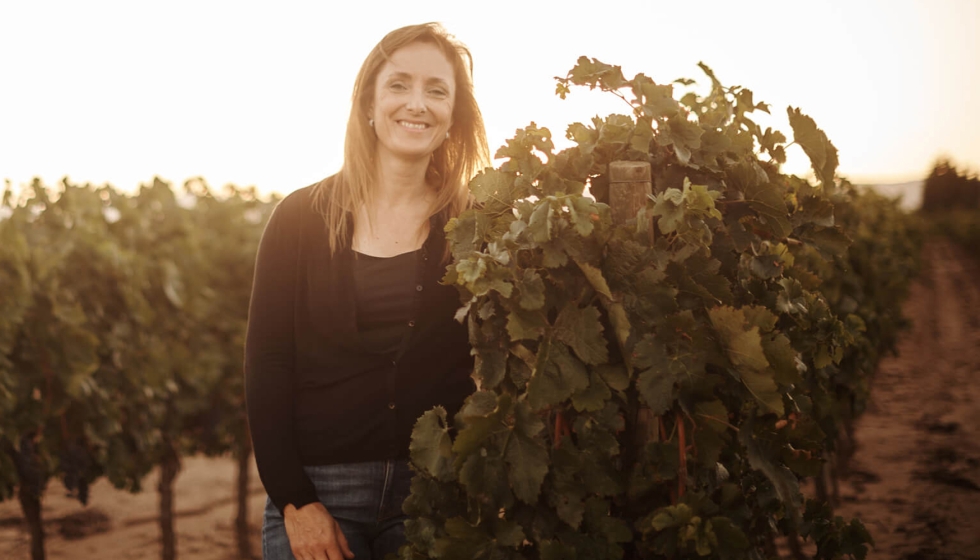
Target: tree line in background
pixel 122 320
pixel 951 203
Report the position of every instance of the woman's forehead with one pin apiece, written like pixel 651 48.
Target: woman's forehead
pixel 418 60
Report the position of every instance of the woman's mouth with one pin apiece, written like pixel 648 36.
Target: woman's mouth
pixel 413 125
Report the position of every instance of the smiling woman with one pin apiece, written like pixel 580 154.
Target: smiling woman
pixel 350 335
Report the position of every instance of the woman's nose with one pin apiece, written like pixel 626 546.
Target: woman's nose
pixel 416 100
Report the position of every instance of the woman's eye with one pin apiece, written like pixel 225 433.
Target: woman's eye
pixel 439 92
pixel 397 86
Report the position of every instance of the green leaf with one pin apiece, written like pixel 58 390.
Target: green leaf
pixel 526 455
pixel 668 205
pixel 539 226
pixel 490 367
pixel 532 290
pixel 471 270
pixel 464 540
pixel 816 145
pixel 556 377
pixel 743 345
pixel 731 539
pixel 716 413
pixel 524 325
pixel 614 529
pixel 671 516
pixel 465 232
pixel 481 474
pixel 658 101
pixel 616 377
pixel 593 397
pixel 830 241
pixel 699 275
pixel 656 387
pixel 493 188
pixel 580 210
pixel 581 330
pixel 595 278
pixel 763 197
pixel 620 321
pixel 782 357
pixel 508 533
pixel 783 480
pixel 481 431
pixel 431 446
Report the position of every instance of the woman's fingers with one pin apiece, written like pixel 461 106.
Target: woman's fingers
pixel 314 534
pixel 342 541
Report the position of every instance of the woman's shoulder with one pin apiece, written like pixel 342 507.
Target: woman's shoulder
pixel 298 201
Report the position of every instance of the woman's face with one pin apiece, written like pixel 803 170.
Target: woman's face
pixel 413 102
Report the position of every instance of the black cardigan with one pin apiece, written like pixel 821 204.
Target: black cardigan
pixel 314 394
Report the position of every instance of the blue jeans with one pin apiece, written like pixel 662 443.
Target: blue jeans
pixel 365 499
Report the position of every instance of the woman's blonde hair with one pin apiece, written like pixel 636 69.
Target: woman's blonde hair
pixel 453 163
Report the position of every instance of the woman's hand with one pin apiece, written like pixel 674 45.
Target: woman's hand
pixel 314 534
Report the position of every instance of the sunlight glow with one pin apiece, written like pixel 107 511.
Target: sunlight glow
pixel 111 91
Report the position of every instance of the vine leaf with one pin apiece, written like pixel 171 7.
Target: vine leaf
pixel 743 345
pixel 816 145
pixel 526 455
pixel 595 278
pixel 581 330
pixel 431 446
pixel 539 226
pixel 557 376
pixel 525 325
pixel 532 290
pixel 494 189
pixel 593 398
pixel 783 480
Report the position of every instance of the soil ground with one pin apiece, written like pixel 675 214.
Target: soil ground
pixel 914 479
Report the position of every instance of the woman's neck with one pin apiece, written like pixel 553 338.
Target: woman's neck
pixel 401 183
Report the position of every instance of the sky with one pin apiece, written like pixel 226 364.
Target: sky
pixel 258 93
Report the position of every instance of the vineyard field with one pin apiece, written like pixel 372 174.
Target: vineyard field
pixel 912 479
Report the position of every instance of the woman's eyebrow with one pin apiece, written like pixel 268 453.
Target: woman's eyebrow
pixel 407 76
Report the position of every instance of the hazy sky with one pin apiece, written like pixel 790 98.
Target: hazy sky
pixel 258 93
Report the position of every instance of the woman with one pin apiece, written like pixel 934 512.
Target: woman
pixel 350 335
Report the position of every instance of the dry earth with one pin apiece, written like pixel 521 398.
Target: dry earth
pixel 119 525
pixel 914 478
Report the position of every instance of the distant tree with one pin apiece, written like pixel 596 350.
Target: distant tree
pixel 947 188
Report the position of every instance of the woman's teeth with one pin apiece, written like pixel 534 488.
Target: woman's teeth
pixel 415 126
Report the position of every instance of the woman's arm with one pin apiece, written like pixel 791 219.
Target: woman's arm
pixel 269 360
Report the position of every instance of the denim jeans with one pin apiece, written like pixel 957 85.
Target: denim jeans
pixel 365 499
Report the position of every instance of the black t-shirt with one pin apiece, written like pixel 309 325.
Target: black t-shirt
pixel 316 393
pixel 384 296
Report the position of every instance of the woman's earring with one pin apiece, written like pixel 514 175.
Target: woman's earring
pixel 371 123
pixel 447 135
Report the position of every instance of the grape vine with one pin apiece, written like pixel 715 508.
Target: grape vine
pixel 657 388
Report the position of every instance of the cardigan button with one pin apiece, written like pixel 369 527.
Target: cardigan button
pixel 418 288
pixel 411 323
pixel 391 406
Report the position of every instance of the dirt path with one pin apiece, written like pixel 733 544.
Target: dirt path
pixel 915 477
pixel 119 525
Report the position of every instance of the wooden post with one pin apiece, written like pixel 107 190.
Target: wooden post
pixel 629 185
